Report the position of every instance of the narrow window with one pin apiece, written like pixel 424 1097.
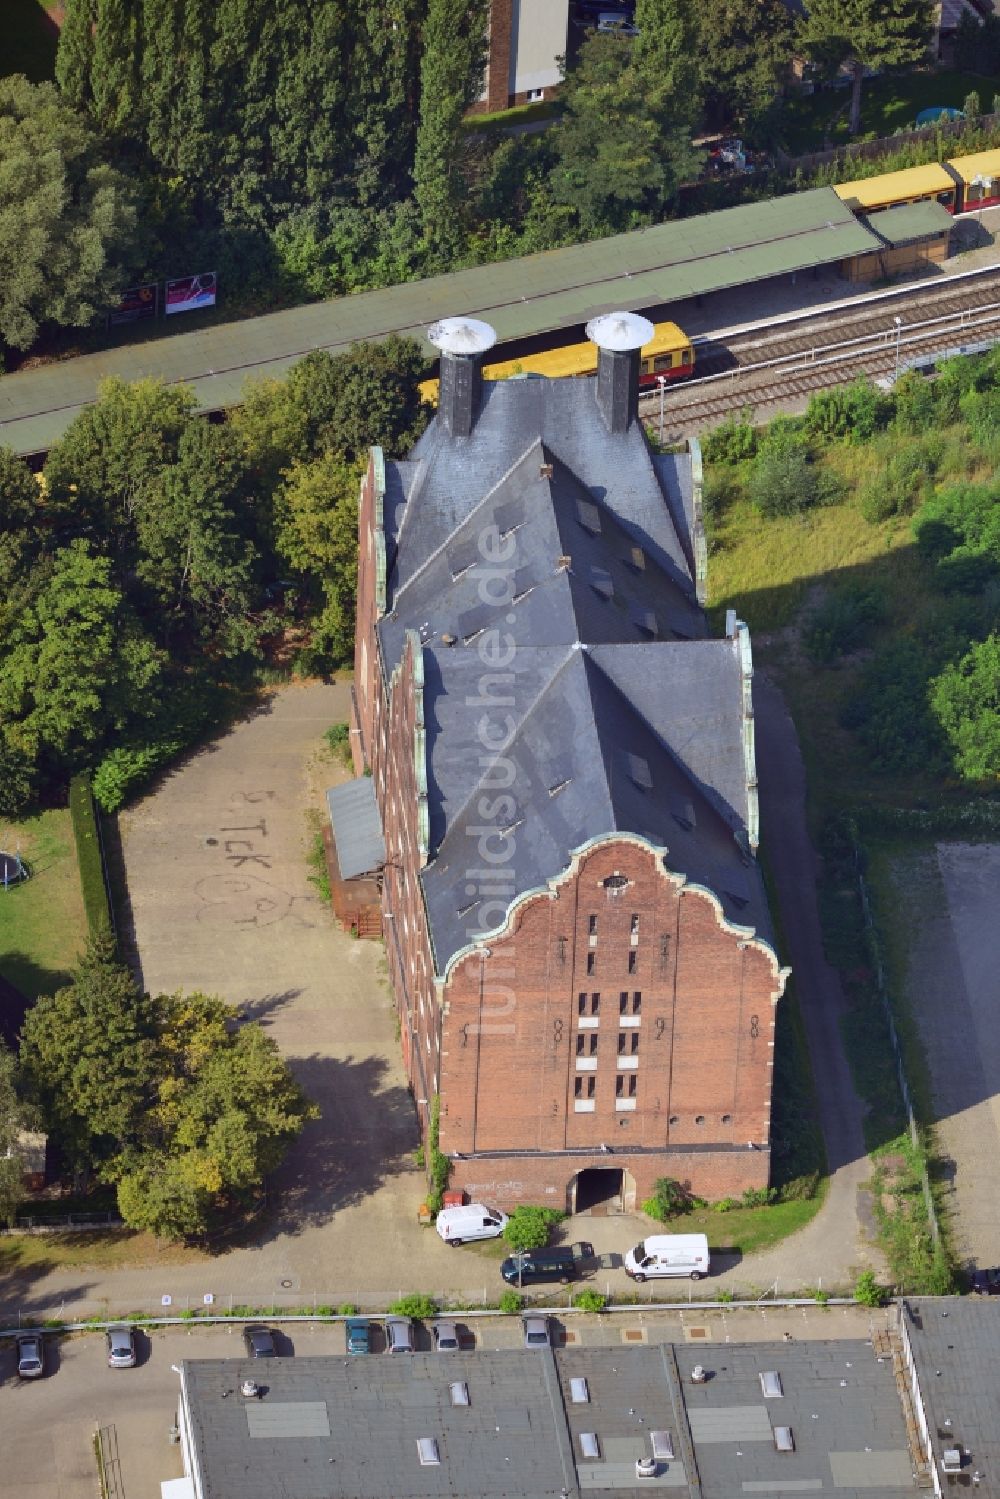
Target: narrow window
pixel 591 1085
pixel 591 963
pixel 578 1087
pixel 622 1037
pixel 586 1044
pixel 620 1085
pixel 595 1004
pixel 635 926
pixel 632 958
pixel 593 926
pixel 636 1002
pixel 581 1004
pixel 631 1082
pixel 623 1002
pixel 634 1043
pixel 562 949
pixel 625 1085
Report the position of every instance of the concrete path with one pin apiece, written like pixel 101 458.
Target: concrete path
pixel 837 1232
pixel 953 986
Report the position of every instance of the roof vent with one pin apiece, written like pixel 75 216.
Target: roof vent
pixel 589 1445
pixel 427 1451
pixel 563 564
pixel 645 1467
pixel 600 582
pixel 459 1392
pixel 249 1389
pixel 619 336
pixel 770 1384
pixel 448 639
pixel 783 1439
pixel 462 342
pixel 545 471
pixel 638 771
pixel 579 1392
pixel 952 1459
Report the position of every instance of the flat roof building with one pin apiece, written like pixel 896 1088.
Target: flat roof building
pixel 951 1346
pixel 770 1419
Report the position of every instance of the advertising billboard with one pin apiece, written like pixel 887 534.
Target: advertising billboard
pixel 190 292
pixel 137 303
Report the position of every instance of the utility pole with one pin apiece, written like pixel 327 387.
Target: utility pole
pixel 899 325
pixel 661 381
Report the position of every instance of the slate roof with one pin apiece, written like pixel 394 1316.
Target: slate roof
pixel 334 1428
pixel 625 716
pixel 956 1349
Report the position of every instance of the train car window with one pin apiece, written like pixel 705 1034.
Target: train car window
pixel 686 356
pixel 646 365
pixel 663 362
pixel 947 199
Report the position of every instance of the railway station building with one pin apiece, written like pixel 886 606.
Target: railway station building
pixel 563 765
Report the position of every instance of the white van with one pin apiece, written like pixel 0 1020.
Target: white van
pixel 668 1254
pixel 473 1221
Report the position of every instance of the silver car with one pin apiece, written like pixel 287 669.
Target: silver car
pixel 398 1335
pixel 445 1335
pixel 536 1332
pixel 121 1347
pixel 30 1355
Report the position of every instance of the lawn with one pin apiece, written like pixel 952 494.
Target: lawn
pixel 887 104
pixel 42 925
pixel 34 1254
pixel 30 37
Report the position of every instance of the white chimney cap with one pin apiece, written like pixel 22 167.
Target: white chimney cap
pixel 620 331
pixel 462 335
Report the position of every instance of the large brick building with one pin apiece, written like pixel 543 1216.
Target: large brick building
pixel 576 926
pixel 524 40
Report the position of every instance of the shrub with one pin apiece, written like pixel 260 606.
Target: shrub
pixel 529 1227
pixel 782 482
pixel 670 1199
pixel 440 1165
pixel 916 408
pixel 511 1302
pixel 417 1304
pixel 843 623
pixel 725 1204
pixel 590 1301
pixel 965 699
pixel 759 1197
pixel 125 769
pixel 725 1297
pixel 867 1291
pixel 854 411
pixel 821 1297
pixel 733 441
pixel 338 742
pixel 90 857
pixel 345 1309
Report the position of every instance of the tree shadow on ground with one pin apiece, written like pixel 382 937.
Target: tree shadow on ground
pixel 366 1133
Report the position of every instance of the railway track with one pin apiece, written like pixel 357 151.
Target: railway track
pixel 764 368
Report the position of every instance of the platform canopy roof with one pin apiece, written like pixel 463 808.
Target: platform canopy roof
pixel 557 289
pixel 912 221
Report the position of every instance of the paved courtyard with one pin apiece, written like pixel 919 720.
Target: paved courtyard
pixel 954 994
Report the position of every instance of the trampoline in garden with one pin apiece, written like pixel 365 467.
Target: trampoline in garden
pixel 12 870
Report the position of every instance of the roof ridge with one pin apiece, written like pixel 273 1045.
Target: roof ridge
pixel 438 550
pixel 573 650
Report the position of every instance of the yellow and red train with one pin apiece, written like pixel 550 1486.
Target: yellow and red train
pixel 959 184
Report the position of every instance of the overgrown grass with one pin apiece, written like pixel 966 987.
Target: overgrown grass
pixel 35 1254
pixel 747 1230
pixel 319 875
pixel 42 923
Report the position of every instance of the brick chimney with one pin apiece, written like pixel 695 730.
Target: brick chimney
pixel 462 342
pixel 619 336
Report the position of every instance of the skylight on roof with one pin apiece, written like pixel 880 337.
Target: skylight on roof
pixel 589 516
pixel 638 770
pixel 427 1451
pixel 600 582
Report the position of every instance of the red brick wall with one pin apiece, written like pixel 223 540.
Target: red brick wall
pixel 511 1023
pixel 498 57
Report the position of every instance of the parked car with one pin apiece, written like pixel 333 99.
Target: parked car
pixel 540 1264
pixel 536 1332
pixel 616 24
pixel 398 1335
pixel 472 1221
pixel 359 1334
pixel 30 1355
pixel 445 1335
pixel 259 1342
pixel 121 1347
pixel 986 1282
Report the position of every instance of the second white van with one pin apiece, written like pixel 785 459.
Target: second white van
pixel 473 1221
pixel 668 1254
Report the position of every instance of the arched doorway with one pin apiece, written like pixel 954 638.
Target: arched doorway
pixel 602 1191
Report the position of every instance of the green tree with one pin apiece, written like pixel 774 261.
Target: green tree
pixel 747 47
pixel 111 456
pixel 529 1227
pixel 87 1055
pixel 114 70
pixel 67 218
pixel 77 663
pixel 965 699
pixel 616 164
pixel 223 1110
pixel 670 1199
pixel 451 75
pixel 667 56
pixel 864 34
pixel 15 1116
pixel 316 533
pixel 365 396
pixel 75 54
